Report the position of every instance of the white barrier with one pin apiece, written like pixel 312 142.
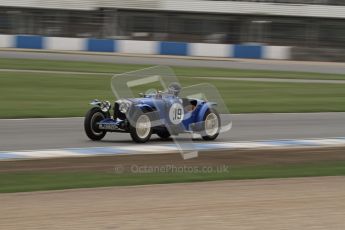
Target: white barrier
pixel 209 50
pixel 137 47
pixel 146 47
pixel 7 41
pixel 276 52
pixel 60 43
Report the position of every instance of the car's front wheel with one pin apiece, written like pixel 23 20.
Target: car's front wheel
pixel 141 130
pixel 92 117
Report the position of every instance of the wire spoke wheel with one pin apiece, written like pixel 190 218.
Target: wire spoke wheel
pixel 142 130
pixel 97 117
pixel 143 126
pixel 211 124
pixel 92 118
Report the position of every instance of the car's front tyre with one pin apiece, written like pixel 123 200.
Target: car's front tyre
pixel 141 130
pixel 92 117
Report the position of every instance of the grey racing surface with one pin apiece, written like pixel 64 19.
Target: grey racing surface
pixel 282 65
pixel 50 133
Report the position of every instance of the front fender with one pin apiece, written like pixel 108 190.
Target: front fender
pixel 152 112
pixel 145 108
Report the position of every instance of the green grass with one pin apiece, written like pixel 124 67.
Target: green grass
pixel 56 95
pixel 50 95
pixel 34 181
pixel 25 94
pixel 79 66
pixel 257 97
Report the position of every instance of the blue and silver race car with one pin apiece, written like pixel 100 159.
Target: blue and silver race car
pixel 155 112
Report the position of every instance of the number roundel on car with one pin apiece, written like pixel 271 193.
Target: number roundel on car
pixel 176 113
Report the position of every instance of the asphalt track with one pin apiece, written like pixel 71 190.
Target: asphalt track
pixel 298 66
pixel 50 133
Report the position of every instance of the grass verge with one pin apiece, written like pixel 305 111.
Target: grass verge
pixel 79 66
pixel 25 94
pixel 35 181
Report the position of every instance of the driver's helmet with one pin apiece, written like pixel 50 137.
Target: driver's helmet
pixel 174 88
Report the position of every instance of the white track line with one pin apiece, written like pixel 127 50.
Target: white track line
pixel 169 148
pixel 55 72
pixel 277 80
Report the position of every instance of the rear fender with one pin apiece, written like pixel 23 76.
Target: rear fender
pixel 202 111
pixel 198 123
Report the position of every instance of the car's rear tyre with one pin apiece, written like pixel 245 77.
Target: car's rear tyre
pixel 142 129
pixel 92 117
pixel 211 125
pixel 164 134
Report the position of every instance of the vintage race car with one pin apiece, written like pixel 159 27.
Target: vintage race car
pixel 155 112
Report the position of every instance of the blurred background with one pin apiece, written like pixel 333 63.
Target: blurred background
pixel 314 29
pixel 288 116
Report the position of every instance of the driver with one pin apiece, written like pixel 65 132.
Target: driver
pixel 174 89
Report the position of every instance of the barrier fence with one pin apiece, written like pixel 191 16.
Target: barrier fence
pixel 253 51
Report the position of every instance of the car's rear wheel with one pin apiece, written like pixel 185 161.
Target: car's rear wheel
pixel 92 117
pixel 142 130
pixel 211 125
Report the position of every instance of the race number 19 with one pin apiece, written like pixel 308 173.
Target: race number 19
pixel 176 113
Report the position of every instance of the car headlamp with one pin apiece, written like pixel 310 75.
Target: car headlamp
pixel 105 106
pixel 124 106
